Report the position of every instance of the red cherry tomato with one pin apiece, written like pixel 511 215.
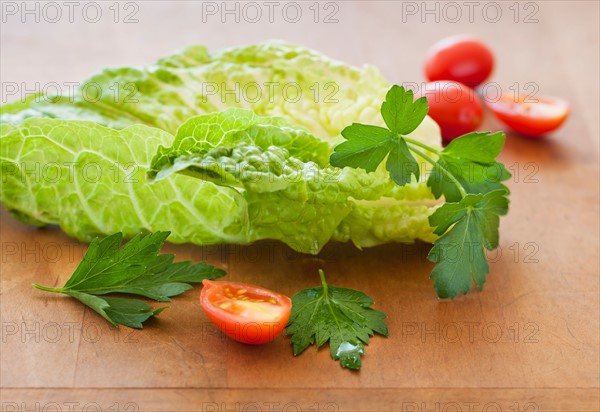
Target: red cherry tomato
pixel 246 313
pixel 532 118
pixel 455 107
pixel 462 59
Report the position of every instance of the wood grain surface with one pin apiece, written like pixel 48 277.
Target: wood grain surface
pixel 528 342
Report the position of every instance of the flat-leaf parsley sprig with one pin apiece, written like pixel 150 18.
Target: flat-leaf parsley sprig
pixel 136 268
pixel 338 315
pixel 465 172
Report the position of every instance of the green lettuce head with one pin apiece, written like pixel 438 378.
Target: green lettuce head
pixel 236 144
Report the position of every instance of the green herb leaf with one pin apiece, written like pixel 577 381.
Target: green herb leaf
pixel 130 312
pixel 401 114
pixel 459 252
pixel 135 268
pixel 466 173
pixel 341 316
pixel 401 164
pixel 366 146
pixel 471 160
pixel 118 311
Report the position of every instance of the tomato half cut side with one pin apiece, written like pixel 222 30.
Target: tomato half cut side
pixel 247 313
pixel 533 118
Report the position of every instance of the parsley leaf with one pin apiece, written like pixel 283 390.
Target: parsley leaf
pixel 460 252
pixel 341 316
pixel 466 173
pixel 400 113
pixel 135 268
pixel 118 311
pixel 401 164
pixel 366 146
pixel 471 159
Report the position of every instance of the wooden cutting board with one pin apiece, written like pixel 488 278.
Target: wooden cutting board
pixel 528 342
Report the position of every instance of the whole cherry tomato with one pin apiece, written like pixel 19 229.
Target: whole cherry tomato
pixel 455 107
pixel 462 59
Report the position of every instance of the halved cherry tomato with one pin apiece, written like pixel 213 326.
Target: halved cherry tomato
pixel 532 118
pixel 455 107
pixel 461 59
pixel 246 313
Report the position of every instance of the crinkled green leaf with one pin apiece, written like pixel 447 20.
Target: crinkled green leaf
pixel 212 136
pixel 167 95
pixel 91 180
pixel 272 78
pixel 290 196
